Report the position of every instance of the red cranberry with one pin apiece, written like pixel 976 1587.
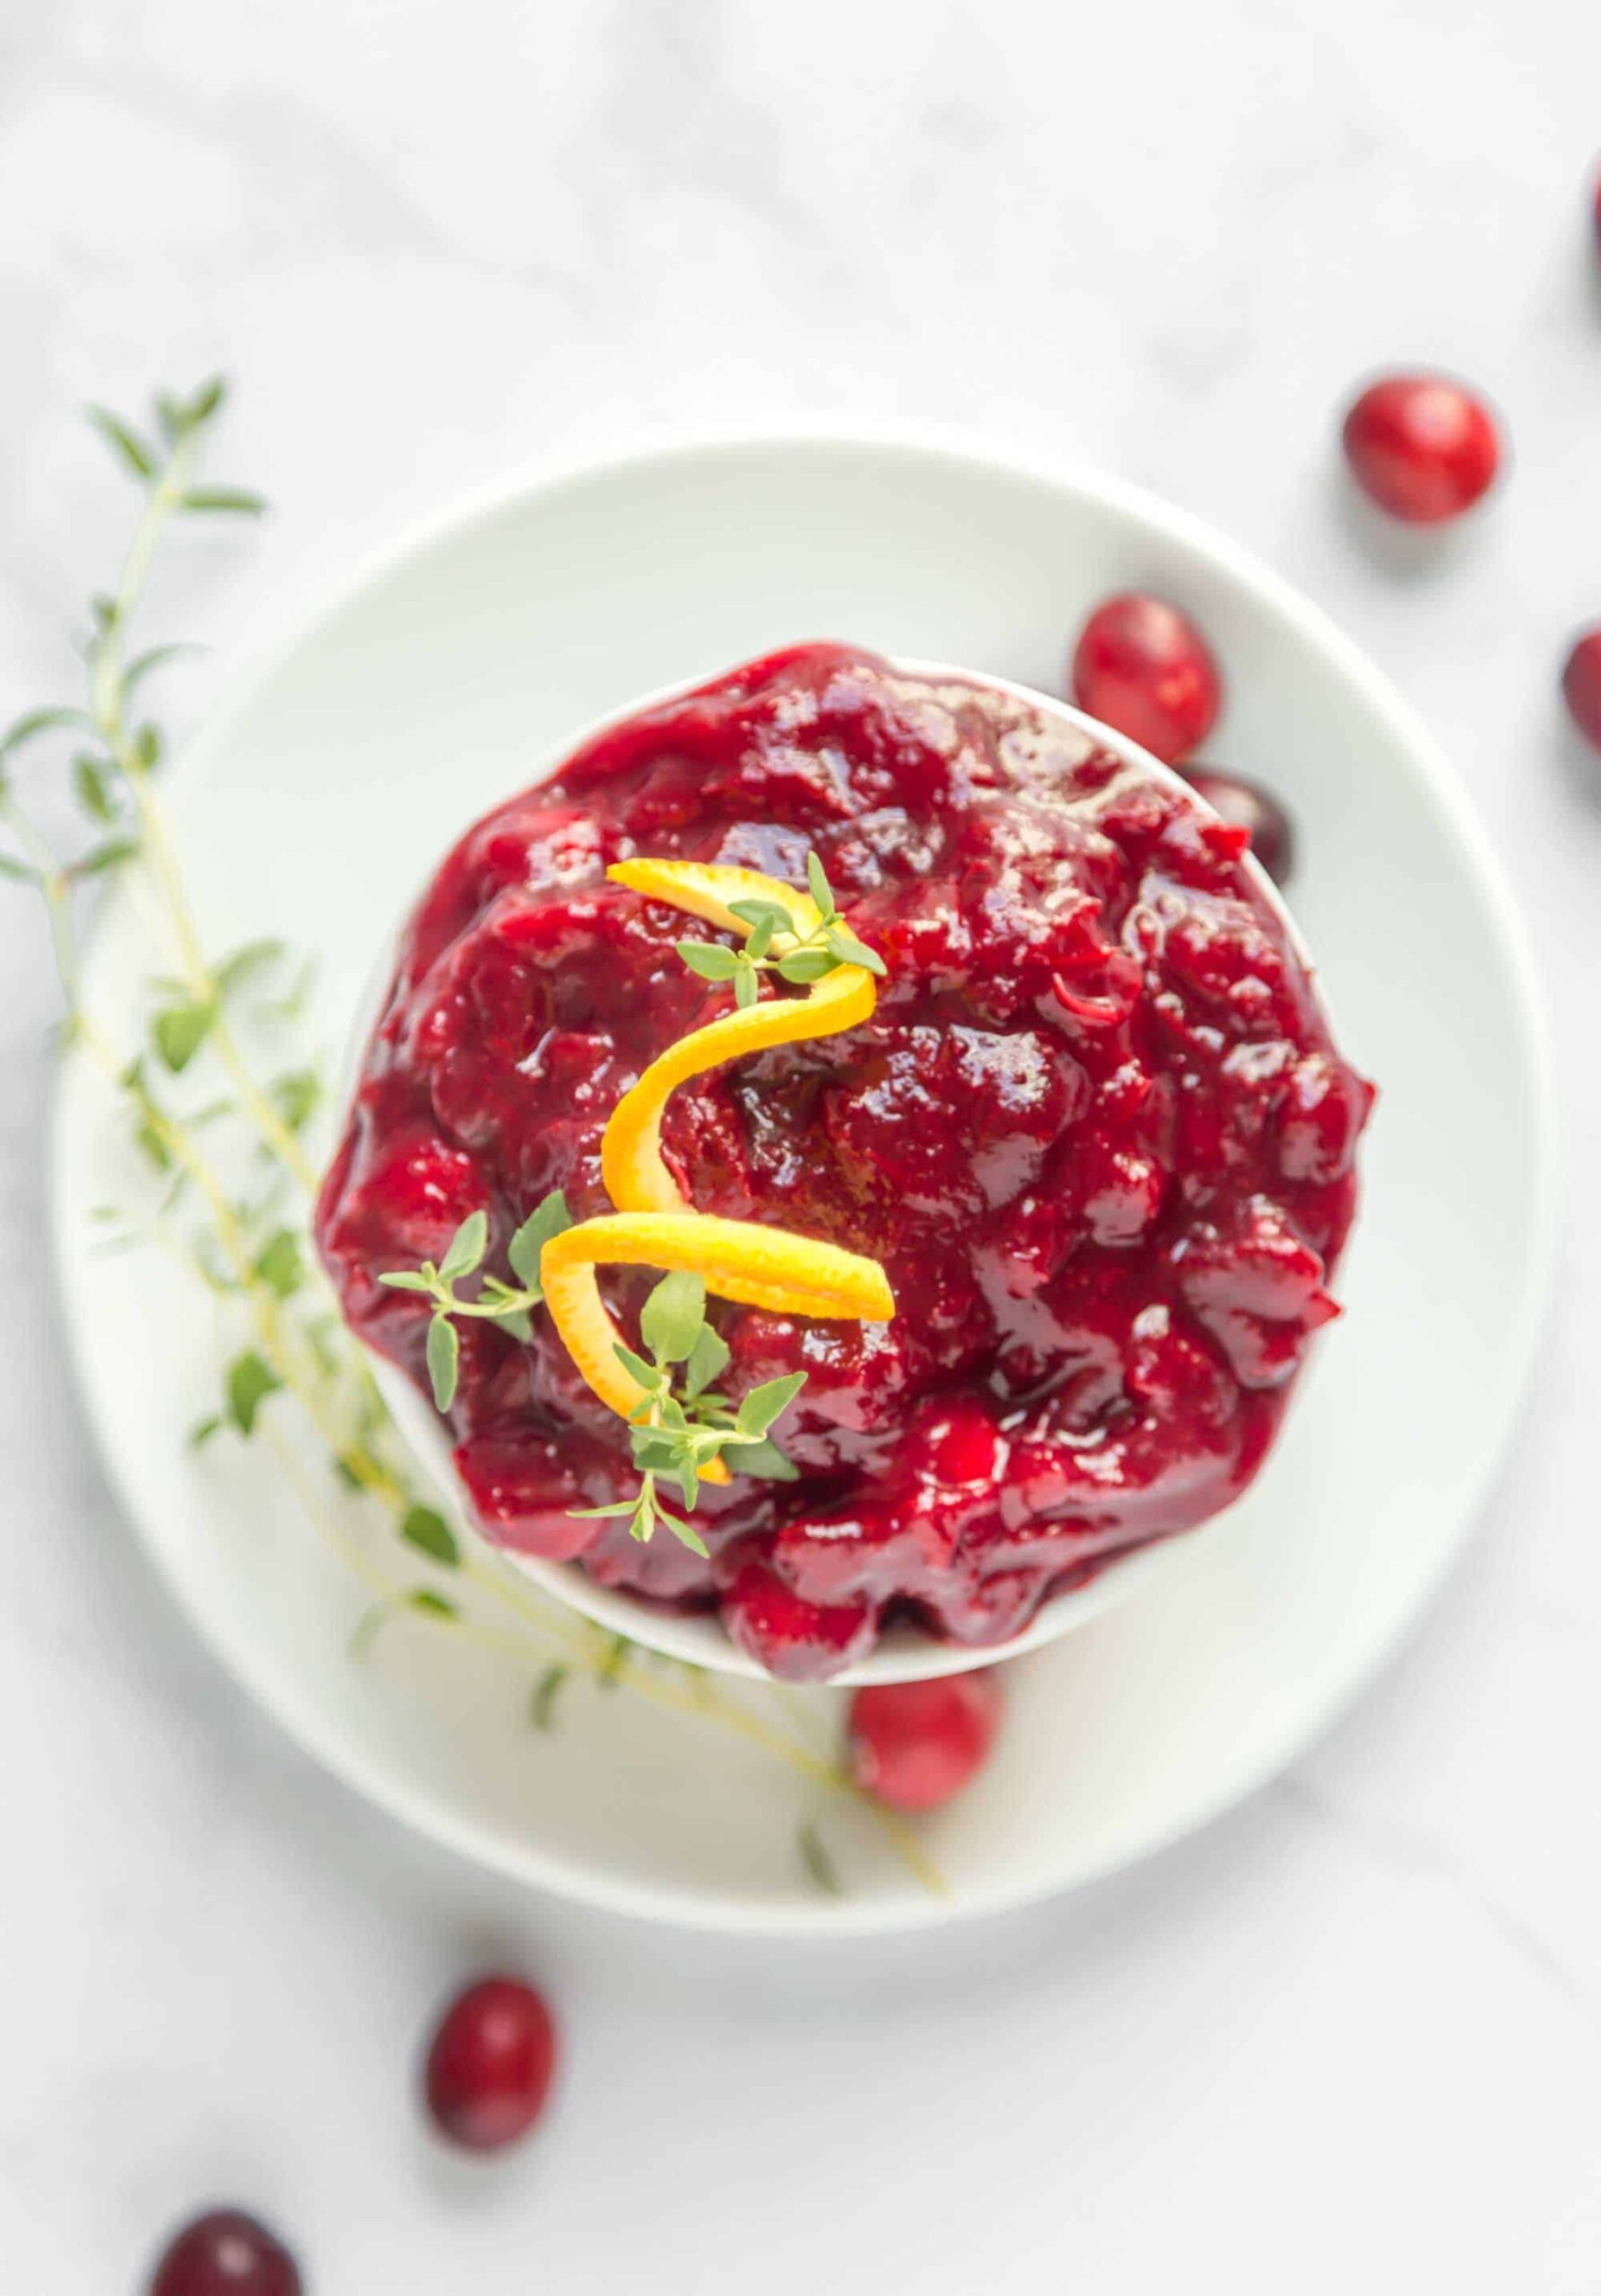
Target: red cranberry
pixel 1251 809
pixel 1143 667
pixel 958 1443
pixel 798 1640
pixel 1425 449
pixel 1582 685
pixel 914 1745
pixel 490 2064
pixel 226 2253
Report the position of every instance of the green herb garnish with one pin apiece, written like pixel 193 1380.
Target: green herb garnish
pixel 817 1862
pixel 683 1423
pixel 244 1240
pixel 511 1305
pixel 542 1698
pixel 772 944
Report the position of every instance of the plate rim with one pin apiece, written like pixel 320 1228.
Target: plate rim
pixel 720 1910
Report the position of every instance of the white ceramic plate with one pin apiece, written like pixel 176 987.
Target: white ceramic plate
pixel 432 689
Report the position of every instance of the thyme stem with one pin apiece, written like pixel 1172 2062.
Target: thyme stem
pixel 331 1385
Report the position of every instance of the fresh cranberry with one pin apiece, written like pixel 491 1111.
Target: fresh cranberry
pixel 490 2064
pixel 958 1442
pixel 1250 808
pixel 1143 666
pixel 914 1745
pixel 1424 448
pixel 796 1640
pixel 1582 685
pixel 226 2253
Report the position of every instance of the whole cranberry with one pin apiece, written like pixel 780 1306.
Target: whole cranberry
pixel 226 2253
pixel 1250 808
pixel 1424 448
pixel 1143 667
pixel 914 1745
pixel 490 2064
pixel 958 1442
pixel 1582 685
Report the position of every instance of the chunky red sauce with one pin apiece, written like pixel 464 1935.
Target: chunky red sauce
pixel 1097 1132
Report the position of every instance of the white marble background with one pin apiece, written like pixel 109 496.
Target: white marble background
pixel 1348 2039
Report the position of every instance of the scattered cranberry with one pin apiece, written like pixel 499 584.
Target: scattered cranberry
pixel 1142 666
pixel 1251 809
pixel 1424 448
pixel 1582 685
pixel 914 1745
pixel 226 2253
pixel 490 2064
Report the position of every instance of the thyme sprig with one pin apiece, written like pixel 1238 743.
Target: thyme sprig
pixel 246 1245
pixel 683 1423
pixel 773 946
pixel 511 1306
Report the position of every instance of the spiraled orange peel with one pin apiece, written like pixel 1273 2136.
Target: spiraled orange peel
pixel 653 1225
pixel 630 1153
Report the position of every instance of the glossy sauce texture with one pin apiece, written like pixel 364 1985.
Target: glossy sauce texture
pixel 1096 1131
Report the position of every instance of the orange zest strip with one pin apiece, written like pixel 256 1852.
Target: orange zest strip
pixel 764 1267
pixel 636 1178
pixel 653 1226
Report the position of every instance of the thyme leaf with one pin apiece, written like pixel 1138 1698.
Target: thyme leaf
pixel 542 1701
pixel 426 1529
pixel 817 1862
pixel 829 944
pixel 444 1359
pixel 248 1382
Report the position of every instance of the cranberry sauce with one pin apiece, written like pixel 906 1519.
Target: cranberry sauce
pixel 1096 1131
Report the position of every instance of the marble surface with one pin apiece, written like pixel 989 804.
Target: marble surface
pixel 1349 2035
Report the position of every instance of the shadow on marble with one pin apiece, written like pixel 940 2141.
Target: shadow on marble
pixel 1405 555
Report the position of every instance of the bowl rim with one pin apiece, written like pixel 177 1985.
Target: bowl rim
pixel 279 638
pixel 906 1652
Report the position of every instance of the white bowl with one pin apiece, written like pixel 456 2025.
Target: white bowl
pixel 905 1652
